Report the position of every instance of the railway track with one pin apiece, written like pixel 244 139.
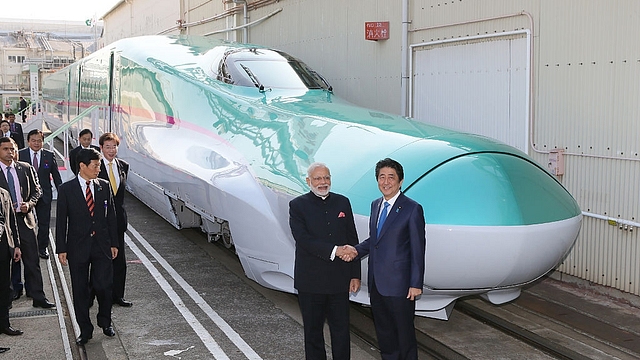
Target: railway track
pixel 536 326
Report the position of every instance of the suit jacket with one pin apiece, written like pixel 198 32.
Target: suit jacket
pixel 19 132
pixel 47 169
pixel 76 230
pixel 19 139
pixel 8 225
pixel 123 171
pixel 318 226
pixel 396 258
pixel 73 155
pixel 29 190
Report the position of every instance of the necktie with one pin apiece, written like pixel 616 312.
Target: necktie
pixel 112 179
pixel 35 162
pixel 89 199
pixel 383 217
pixel 12 187
pixel 13 127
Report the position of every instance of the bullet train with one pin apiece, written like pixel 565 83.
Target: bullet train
pixel 219 136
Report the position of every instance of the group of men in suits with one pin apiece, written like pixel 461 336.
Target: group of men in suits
pixel 19 180
pixel 26 186
pixel 327 263
pixel 33 227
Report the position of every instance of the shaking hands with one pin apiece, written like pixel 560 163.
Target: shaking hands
pixel 346 252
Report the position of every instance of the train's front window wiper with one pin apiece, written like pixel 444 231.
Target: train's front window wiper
pixel 253 78
pixel 329 88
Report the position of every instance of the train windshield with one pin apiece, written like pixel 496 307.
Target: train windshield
pixel 267 69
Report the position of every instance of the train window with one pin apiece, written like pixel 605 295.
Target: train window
pixel 268 68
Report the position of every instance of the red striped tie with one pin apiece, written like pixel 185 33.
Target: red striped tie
pixel 89 199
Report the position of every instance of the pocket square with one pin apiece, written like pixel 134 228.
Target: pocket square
pixel 341 215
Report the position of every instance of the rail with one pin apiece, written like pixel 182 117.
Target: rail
pixel 64 129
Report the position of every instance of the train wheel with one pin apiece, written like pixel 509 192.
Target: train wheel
pixel 226 238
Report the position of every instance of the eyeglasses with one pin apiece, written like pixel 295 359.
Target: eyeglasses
pixel 318 178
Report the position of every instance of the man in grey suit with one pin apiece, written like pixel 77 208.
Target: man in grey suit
pixel 9 250
pixel 86 237
pixel 45 164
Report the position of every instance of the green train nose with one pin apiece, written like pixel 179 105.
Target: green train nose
pixel 491 189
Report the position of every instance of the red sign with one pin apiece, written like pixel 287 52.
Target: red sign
pixel 376 30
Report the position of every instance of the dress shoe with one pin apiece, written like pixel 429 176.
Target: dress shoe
pixel 17 295
pixel 45 304
pixel 2 349
pixel 122 302
pixel 108 331
pixel 81 340
pixel 11 331
pixel 44 254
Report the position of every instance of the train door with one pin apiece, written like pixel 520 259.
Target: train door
pixel 114 94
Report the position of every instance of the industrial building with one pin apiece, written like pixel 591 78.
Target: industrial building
pixel 38 47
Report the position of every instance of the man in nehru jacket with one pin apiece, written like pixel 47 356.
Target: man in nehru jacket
pixel 322 223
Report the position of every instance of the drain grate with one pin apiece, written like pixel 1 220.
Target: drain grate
pixel 43 312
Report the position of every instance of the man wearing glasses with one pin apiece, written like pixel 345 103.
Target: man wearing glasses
pixel 322 224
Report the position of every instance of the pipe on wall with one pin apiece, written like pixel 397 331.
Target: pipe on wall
pixel 245 32
pixel 404 81
pixel 245 25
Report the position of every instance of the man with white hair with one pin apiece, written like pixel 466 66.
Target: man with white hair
pixel 322 224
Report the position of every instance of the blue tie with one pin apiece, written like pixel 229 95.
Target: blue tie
pixel 12 187
pixel 383 217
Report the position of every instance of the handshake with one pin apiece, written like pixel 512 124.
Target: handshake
pixel 346 252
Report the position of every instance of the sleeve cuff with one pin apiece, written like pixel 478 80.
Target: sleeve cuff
pixel 333 253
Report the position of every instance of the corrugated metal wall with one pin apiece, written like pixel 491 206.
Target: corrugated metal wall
pixel 479 86
pixel 586 92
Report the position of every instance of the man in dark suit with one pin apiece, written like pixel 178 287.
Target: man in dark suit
pixel 45 164
pixel 86 236
pixel 15 127
pixel 20 181
pixel 5 128
pixel 9 250
pixel 322 223
pixel 23 109
pixel 396 249
pixel 84 138
pixel 115 171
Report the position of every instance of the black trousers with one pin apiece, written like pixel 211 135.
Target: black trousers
pixel 43 211
pixel 315 308
pixel 30 260
pixel 100 268
pixel 393 319
pixel 5 282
